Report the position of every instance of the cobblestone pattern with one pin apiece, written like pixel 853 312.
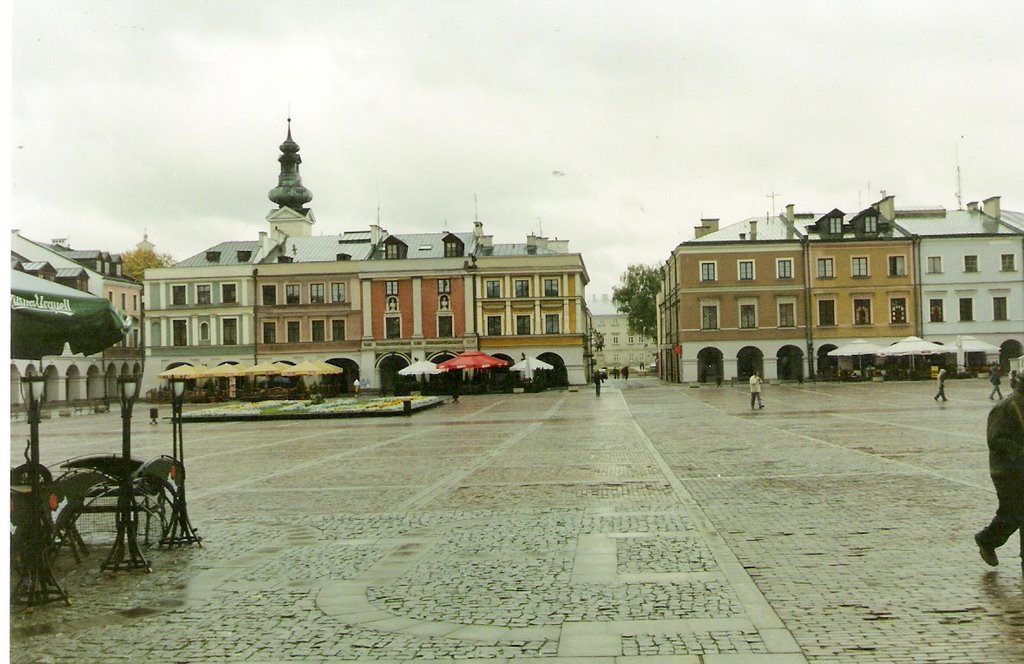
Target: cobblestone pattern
pixel 663 554
pixel 696 643
pixel 538 591
pixel 566 495
pixel 637 523
pixel 855 524
pixel 330 560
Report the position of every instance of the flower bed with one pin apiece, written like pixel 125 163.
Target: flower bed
pixel 287 410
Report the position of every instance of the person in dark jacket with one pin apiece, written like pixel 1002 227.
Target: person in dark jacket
pixel 1006 466
pixel 993 377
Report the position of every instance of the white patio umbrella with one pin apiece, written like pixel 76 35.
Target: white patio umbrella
pixel 857 347
pixel 420 368
pixel 971 344
pixel 915 346
pixel 529 365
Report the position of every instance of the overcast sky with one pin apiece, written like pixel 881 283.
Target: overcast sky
pixel 615 125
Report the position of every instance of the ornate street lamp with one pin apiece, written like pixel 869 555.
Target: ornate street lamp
pixel 126 554
pixel 180 531
pixel 36 583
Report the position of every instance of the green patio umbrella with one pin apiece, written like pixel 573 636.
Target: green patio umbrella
pixel 46 315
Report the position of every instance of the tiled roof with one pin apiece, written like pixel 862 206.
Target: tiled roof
pixel 957 222
pixel 228 255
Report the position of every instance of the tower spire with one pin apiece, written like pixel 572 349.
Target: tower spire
pixel 289 191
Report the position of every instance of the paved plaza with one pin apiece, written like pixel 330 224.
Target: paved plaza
pixel 655 523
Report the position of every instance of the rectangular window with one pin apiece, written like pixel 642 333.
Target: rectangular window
pixel 229 331
pixel 870 224
pixel 317 330
pixel 179 332
pixel 494 326
pixel 784 268
pixel 135 302
pixel 935 311
pixel 228 294
pixel 934 265
pixel 445 328
pixel 1007 263
pixel 826 268
pixel 897 266
pixel 492 288
pixel 269 333
pixel 999 308
pixel 444 285
pixel 522 287
pixel 392 250
pixel 291 294
pixel 859 266
pixel 337 292
pixel 970 263
pixel 746 270
pixel 826 313
pixel 391 288
pixel 898 310
pixel 552 324
pixel 709 317
pixel 292 328
pixel 551 288
pixel 338 329
pixel 966 308
pixel 862 312
pixel 522 324
pixel 708 272
pixel 269 295
pixel 835 226
pixel 177 295
pixel 748 316
pixel 124 301
pixel 393 327
pixel 316 293
pixel 787 314
pixel 615 340
pixel 203 294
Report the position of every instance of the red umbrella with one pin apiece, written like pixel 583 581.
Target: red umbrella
pixel 472 359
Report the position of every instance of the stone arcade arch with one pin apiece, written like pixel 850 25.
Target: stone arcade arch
pixel 748 360
pixel 557 377
pixel 790 363
pixel 1008 350
pixel 828 366
pixel 710 365
pixel 94 383
pixel 73 384
pixel 387 368
pixel 343 381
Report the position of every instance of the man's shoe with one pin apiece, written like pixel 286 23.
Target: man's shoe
pixel 988 554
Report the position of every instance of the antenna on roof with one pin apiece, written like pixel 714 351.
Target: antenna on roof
pixel 772 196
pixel 959 190
pixel 476 210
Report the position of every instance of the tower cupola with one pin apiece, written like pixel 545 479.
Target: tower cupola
pixel 289 192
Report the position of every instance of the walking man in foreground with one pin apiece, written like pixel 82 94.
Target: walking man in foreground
pixel 755 391
pixel 1006 466
pixel 941 380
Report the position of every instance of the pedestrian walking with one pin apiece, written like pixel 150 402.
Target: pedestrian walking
pixel 1005 438
pixel 755 391
pixel 597 382
pixel 994 378
pixel 625 373
pixel 1014 379
pixel 941 380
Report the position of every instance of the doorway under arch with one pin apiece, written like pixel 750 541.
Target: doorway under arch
pixel 828 365
pixel 748 360
pixel 790 362
pixel 388 367
pixel 710 365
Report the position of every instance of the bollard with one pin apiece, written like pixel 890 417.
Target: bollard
pixel 407 406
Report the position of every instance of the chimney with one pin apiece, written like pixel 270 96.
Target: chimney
pixel 887 207
pixel 478 229
pixel 753 229
pixel 706 226
pixel 376 234
pixel 990 207
pixel 790 213
pixel 972 206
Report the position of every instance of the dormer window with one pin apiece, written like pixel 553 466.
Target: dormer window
pixel 395 248
pixel 244 256
pixel 453 247
pixel 835 226
pixel 871 224
pixel 213 256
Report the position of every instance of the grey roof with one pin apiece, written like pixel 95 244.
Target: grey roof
pixel 320 248
pixel 32 266
pixel 228 255
pixel 772 228
pixel 431 245
pixel 515 249
pixel 956 222
pixel 64 272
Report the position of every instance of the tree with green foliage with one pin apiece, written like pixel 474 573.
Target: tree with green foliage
pixel 636 296
pixel 134 263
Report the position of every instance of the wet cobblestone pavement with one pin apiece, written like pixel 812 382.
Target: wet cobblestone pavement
pixel 653 524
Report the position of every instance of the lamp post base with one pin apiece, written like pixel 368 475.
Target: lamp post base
pixel 37 584
pixel 126 554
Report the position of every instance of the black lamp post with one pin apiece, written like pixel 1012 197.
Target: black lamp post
pixel 180 531
pixel 37 583
pixel 126 554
